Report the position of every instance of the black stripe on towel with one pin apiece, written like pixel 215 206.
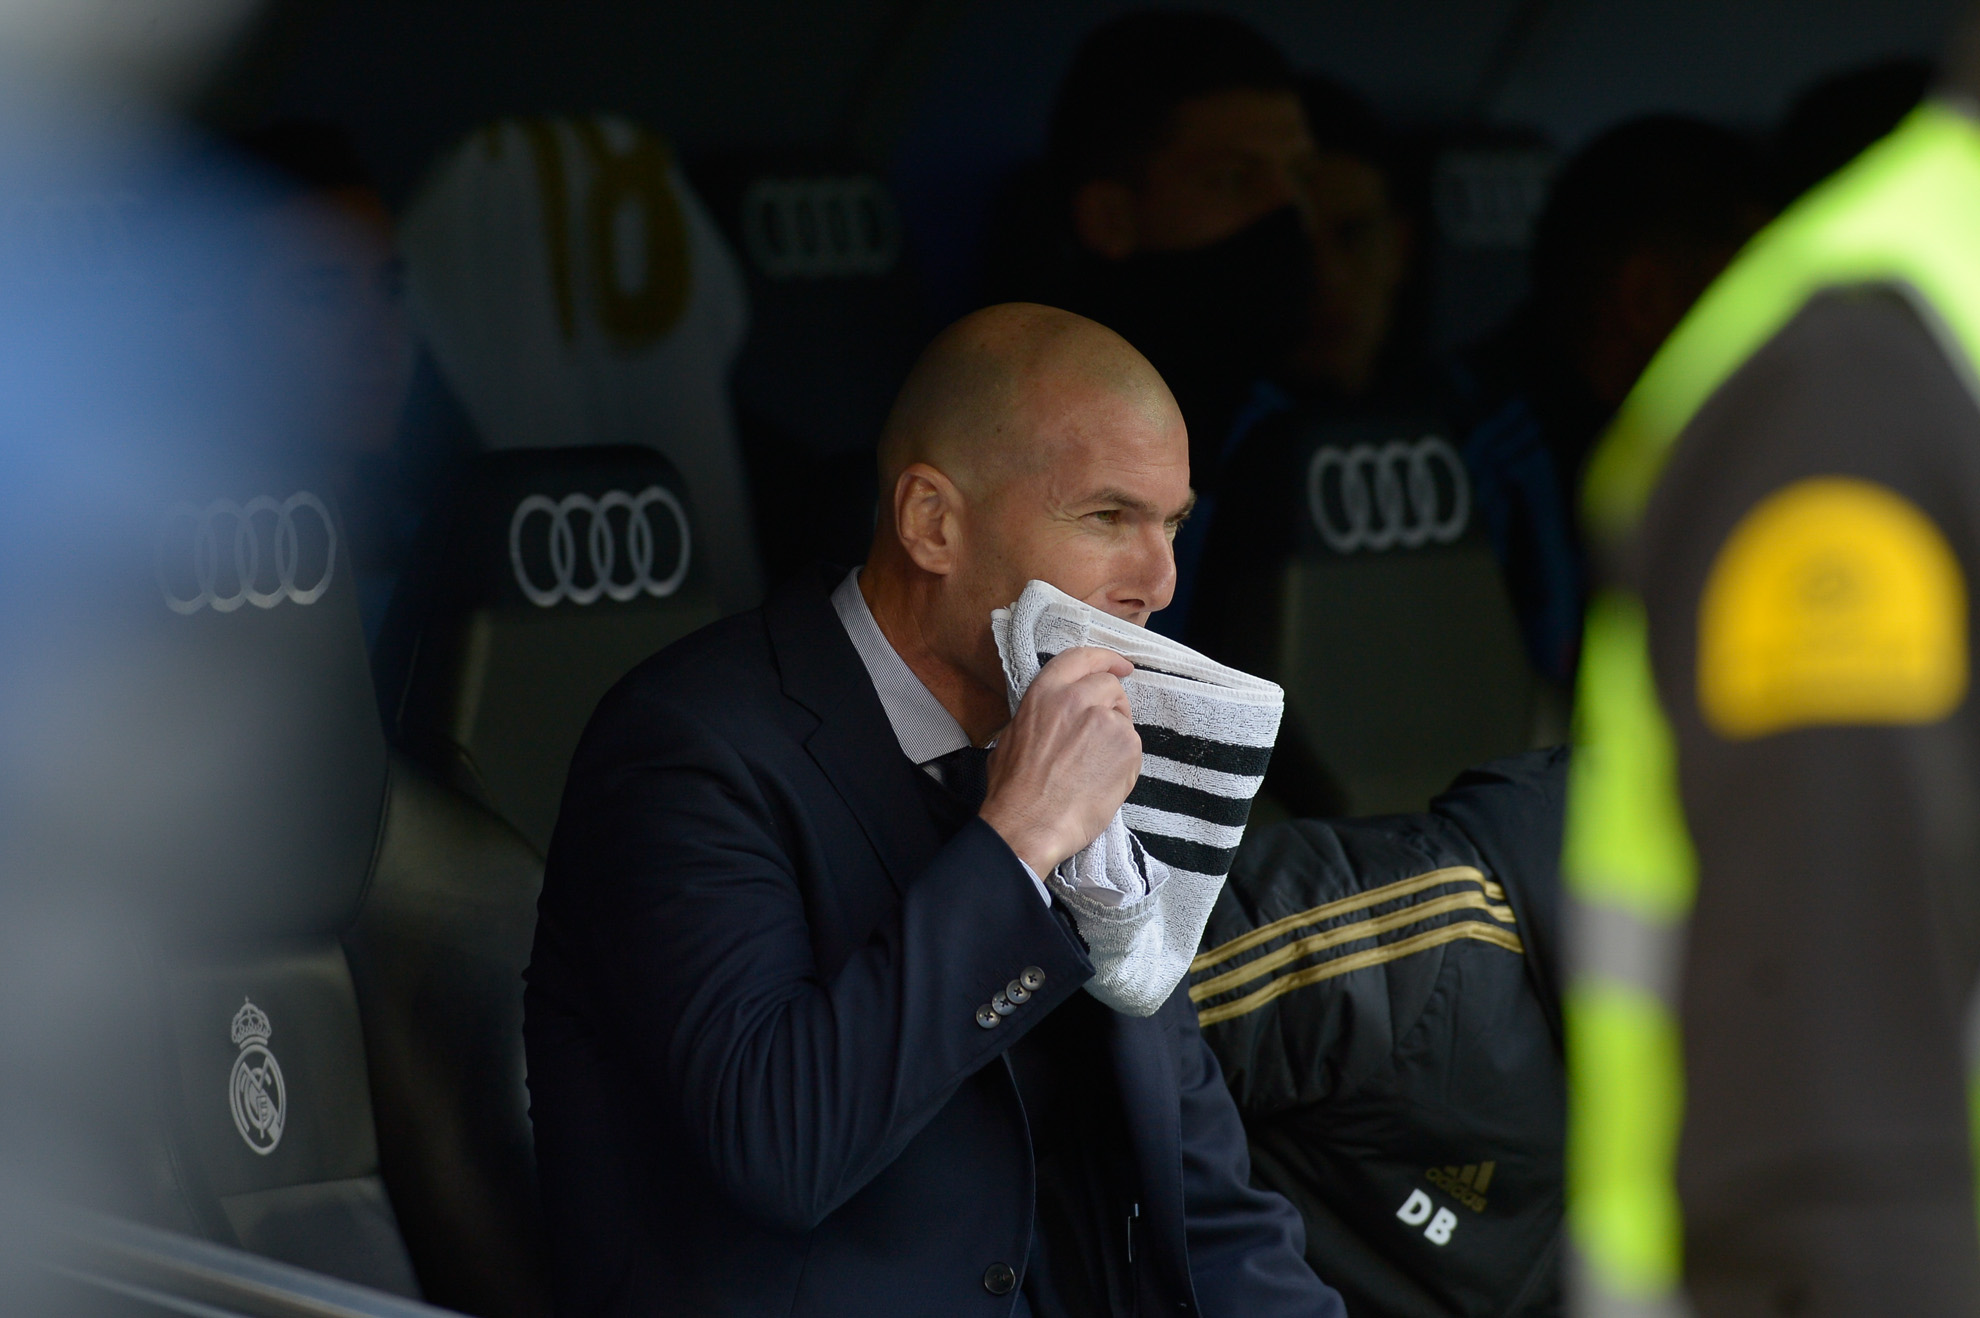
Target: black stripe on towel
pixel 1222 756
pixel 1191 801
pixel 1044 659
pixel 1181 853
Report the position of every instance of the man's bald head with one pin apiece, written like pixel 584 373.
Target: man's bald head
pixel 1027 445
pixel 983 401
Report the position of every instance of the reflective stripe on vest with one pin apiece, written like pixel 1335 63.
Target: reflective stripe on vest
pixel 1629 872
pixel 1902 215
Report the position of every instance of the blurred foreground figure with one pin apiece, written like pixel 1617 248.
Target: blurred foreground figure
pixel 1773 835
pixel 327 316
pixel 330 312
pixel 215 882
pixel 1636 226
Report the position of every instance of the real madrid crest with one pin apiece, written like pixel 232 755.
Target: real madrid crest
pixel 255 1091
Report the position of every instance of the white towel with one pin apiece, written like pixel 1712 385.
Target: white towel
pixel 1142 891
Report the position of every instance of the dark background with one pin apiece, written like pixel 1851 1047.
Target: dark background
pixel 946 96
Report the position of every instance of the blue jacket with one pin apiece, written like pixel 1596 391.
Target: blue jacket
pixel 757 1077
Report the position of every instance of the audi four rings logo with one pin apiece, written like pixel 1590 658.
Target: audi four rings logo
pixel 627 555
pixel 815 228
pixel 1387 496
pixel 261 552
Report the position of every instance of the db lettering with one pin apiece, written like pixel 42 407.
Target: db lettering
pixel 1417 1209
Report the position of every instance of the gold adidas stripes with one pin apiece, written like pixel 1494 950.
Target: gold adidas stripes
pixel 1458 890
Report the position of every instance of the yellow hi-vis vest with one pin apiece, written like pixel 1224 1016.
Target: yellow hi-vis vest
pixel 1905 214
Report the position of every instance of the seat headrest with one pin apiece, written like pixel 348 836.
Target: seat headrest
pixel 574 291
pixel 545 531
pixel 549 257
pixel 1380 487
pixel 802 219
pixel 549 574
pixel 835 306
pixel 206 739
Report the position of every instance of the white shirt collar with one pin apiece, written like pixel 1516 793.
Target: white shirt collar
pixel 925 730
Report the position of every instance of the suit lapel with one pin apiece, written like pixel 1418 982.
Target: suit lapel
pixel 853 744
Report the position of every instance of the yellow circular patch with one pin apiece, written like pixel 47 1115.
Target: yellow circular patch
pixel 1834 601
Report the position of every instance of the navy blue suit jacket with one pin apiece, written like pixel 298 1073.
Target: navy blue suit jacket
pixel 757 1079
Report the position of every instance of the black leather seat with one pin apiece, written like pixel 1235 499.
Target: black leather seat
pixel 1345 563
pixel 550 573
pixel 437 953
pixel 269 974
pixel 835 323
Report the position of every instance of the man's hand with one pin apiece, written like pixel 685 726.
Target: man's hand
pixel 1070 757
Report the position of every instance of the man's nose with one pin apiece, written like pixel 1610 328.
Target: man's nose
pixel 1149 581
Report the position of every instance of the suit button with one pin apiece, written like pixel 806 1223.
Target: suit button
pixel 1002 1005
pixel 1032 978
pixel 1017 993
pixel 998 1279
pixel 987 1017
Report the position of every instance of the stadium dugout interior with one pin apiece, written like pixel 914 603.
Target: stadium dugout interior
pixel 260 972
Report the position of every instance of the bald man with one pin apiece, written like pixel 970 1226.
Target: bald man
pixel 805 1031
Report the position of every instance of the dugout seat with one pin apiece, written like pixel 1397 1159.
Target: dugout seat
pixel 1345 564
pixel 216 779
pixel 575 292
pixel 545 577
pixel 437 953
pixel 835 323
pixel 267 976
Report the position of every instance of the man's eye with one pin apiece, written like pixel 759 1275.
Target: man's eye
pixel 1107 516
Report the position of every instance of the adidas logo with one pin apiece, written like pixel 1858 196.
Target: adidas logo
pixel 1465 1184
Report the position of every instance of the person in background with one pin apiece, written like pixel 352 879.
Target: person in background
pixel 1173 212
pixel 1831 121
pixel 1357 360
pixel 326 315
pixel 1383 995
pixel 1635 227
pixel 1364 206
pixel 1360 346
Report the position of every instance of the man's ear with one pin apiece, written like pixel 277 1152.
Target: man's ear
pixel 1103 218
pixel 928 518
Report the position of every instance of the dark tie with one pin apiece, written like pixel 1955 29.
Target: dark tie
pixel 965 772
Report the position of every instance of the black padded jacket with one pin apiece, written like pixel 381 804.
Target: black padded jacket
pixel 1383 997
